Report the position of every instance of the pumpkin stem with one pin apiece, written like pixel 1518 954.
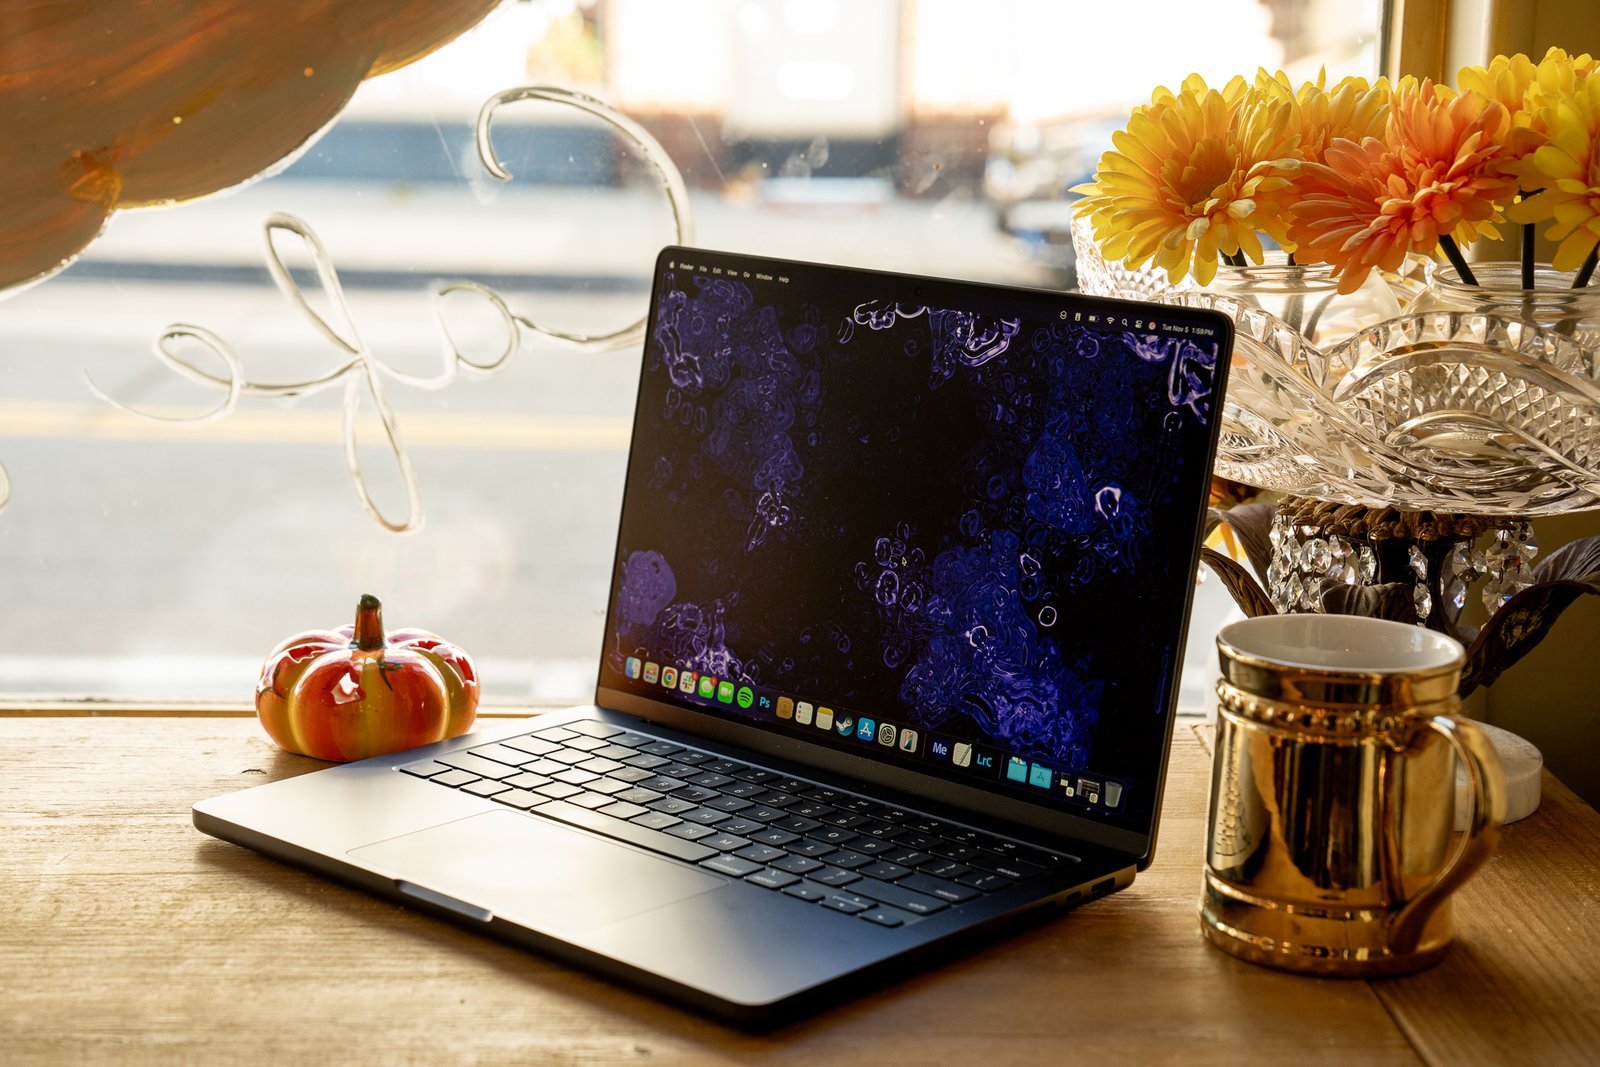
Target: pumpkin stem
pixel 369 623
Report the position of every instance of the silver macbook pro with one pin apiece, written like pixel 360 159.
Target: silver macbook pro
pixel 890 660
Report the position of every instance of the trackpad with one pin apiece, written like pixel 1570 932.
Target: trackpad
pixel 535 873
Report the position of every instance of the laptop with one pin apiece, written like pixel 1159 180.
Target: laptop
pixel 890 659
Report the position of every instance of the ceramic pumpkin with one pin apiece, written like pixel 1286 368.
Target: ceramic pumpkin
pixel 354 692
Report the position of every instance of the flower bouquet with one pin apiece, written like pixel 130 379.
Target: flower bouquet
pixel 1410 402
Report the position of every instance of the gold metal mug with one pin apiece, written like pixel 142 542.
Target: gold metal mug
pixel 1330 845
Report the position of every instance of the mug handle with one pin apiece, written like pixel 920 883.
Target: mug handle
pixel 1488 788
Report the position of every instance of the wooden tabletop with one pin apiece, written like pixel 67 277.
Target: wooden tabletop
pixel 128 937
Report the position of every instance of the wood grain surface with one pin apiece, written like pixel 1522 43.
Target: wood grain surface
pixel 128 937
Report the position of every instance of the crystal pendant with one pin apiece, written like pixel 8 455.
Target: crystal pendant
pixel 1369 565
pixel 1338 557
pixel 1455 591
pixel 1422 600
pixel 1417 562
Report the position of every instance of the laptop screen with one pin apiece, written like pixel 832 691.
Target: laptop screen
pixel 939 524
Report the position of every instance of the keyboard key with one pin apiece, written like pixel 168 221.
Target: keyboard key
pixel 823 793
pixel 938 887
pixel 941 868
pixel 731 865
pixel 454 778
pixel 872 846
pixel 847 903
pixel 770 879
pixel 884 830
pixel 899 896
pixel 426 769
pixel 670 805
pixel 760 853
pixel 832 835
pixel 743 789
pixel 790 785
pixel 573 776
pixel 843 818
pixel 647 762
pixel 557 733
pixel 661 748
pixel 709 780
pixel 599 765
pixel 728 804
pixel 806 891
pixel 590 800
pixel 630 774
pixel 737 825
pixel 570 756
pixel 694 759
pixel 769 836
pixel 963 836
pixel 797 864
pixel 774 798
pixel 630 739
pixel 678 770
pixel 660 783
pixel 812 848
pixel 596 729
pixel 705 816
pixel 916 840
pixel 1016 870
pixel 694 793
pixel 725 842
pixel 884 916
pixel 834 877
pixel 721 766
pixel 812 809
pixel 478 766
pixel 985 881
pixel 755 774
pixel 959 852
pixel 888 872
pixel 623 810
pixel 503 754
pixel 907 857
pixel 643 836
pixel 558 790
pixel 616 752
pixel 604 785
pixel 485 787
pixel 656 820
pixel 586 744
pixel 690 831
pixel 762 813
pixel 526 780
pixel 638 795
pixel 534 746
pixel 546 767
pixel 859 805
pixel 848 858
pixel 796 824
pixel 520 799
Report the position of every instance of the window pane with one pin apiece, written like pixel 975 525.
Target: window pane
pixel 145 558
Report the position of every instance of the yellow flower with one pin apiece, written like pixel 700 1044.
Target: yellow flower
pixel 1566 169
pixel 1526 90
pixel 1192 177
pixel 1440 170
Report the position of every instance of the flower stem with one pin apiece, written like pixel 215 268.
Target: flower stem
pixel 1586 271
pixel 1453 252
pixel 1527 256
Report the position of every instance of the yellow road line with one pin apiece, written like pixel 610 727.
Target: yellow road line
pixel 55 420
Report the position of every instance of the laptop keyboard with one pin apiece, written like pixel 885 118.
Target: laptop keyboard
pixel 813 843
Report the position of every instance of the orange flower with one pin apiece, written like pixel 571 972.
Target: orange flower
pixel 1192 176
pixel 1442 171
pixel 1527 90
